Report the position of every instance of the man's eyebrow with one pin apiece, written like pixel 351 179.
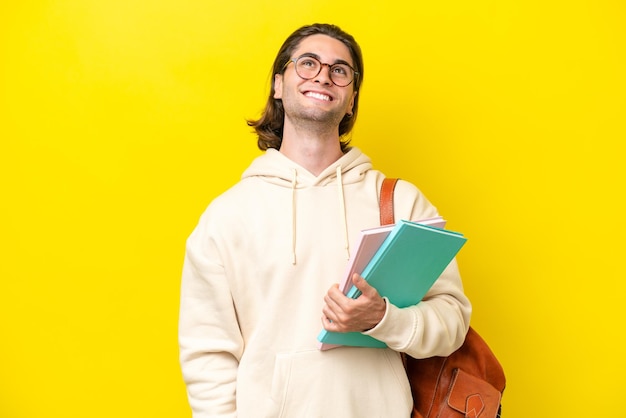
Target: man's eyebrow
pixel 337 61
pixel 310 54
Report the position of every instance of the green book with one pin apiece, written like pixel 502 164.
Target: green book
pixel 403 269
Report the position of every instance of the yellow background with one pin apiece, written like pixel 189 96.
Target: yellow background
pixel 121 119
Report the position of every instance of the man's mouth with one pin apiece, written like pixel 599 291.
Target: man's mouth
pixel 318 96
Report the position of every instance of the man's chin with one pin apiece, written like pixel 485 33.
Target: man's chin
pixel 331 117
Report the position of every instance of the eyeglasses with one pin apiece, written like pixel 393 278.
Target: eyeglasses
pixel 308 67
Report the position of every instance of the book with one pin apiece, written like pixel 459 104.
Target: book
pixel 368 243
pixel 406 263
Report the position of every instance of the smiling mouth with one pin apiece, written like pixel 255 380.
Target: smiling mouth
pixel 318 96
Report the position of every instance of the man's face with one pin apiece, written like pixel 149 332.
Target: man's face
pixel 317 99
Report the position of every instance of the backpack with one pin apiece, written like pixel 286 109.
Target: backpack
pixel 468 383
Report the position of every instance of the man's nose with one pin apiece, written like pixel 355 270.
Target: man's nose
pixel 324 75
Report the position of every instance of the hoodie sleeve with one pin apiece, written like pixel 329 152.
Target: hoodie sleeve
pixel 436 326
pixel 209 339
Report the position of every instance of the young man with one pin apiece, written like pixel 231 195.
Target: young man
pixel 263 263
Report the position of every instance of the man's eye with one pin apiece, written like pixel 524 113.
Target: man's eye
pixel 307 63
pixel 340 69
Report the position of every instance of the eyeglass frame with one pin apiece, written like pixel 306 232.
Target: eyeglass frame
pixel 355 73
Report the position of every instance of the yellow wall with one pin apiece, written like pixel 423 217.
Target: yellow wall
pixel 121 119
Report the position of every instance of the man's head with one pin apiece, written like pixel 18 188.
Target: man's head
pixel 270 126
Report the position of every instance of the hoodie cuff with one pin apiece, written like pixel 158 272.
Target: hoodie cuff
pixel 397 328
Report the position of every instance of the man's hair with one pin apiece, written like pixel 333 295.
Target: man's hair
pixel 269 127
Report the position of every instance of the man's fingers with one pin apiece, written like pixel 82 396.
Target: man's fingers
pixel 362 284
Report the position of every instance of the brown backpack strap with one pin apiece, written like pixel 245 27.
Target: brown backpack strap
pixel 386 201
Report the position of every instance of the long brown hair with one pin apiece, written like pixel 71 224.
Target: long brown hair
pixel 269 127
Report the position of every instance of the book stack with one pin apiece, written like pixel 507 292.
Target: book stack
pixel 402 262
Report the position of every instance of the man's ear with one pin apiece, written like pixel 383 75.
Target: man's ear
pixel 278 86
pixel 352 103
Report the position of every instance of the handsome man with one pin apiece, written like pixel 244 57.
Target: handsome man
pixel 263 263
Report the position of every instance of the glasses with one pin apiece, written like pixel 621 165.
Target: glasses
pixel 308 67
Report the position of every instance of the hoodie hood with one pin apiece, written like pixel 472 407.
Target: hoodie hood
pixel 277 169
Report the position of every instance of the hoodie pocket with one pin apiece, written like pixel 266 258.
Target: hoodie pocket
pixel 344 382
pixel 280 378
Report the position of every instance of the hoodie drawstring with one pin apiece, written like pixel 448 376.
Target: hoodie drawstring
pixel 342 214
pixel 294 182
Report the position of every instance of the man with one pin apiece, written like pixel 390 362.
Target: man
pixel 263 263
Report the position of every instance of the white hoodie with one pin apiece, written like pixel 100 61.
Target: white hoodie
pixel 256 270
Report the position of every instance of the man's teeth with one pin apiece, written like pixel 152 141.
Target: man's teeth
pixel 318 96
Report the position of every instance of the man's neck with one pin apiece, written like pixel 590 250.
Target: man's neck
pixel 314 151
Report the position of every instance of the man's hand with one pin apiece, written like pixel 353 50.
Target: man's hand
pixel 344 314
